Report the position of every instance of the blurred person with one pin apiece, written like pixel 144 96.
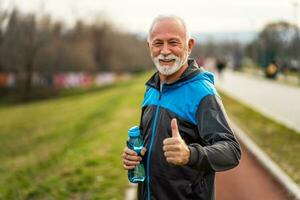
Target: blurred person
pixel 271 70
pixel 220 64
pixel 184 125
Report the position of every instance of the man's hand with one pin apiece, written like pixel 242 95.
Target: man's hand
pixel 176 151
pixel 131 158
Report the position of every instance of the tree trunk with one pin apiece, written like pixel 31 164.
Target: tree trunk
pixel 28 80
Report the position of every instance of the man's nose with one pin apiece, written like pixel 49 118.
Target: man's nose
pixel 165 49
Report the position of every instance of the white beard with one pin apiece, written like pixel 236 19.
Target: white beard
pixel 166 69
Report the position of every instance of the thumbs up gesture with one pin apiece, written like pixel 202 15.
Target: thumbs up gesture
pixel 175 149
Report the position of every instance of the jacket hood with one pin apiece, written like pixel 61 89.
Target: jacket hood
pixel 192 73
pixel 208 76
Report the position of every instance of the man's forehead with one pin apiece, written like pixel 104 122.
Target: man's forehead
pixel 168 27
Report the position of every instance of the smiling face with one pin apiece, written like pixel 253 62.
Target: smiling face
pixel 168 45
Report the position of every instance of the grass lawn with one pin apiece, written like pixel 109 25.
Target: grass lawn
pixel 69 147
pixel 279 142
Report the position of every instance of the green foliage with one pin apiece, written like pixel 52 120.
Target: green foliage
pixel 277 41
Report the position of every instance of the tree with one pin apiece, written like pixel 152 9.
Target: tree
pixel 274 42
pixel 22 40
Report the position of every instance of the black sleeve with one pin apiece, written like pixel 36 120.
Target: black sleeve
pixel 222 150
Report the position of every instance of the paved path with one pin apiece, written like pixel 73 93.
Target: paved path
pixel 276 100
pixel 248 181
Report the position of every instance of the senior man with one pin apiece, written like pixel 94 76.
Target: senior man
pixel 184 125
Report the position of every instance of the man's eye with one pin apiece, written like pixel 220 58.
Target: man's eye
pixel 157 44
pixel 174 43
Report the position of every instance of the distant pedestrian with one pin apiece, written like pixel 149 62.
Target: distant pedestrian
pixel 271 70
pixel 220 64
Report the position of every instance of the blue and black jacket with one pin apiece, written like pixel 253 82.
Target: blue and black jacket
pixel 203 125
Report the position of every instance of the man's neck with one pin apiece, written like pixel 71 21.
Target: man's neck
pixel 173 77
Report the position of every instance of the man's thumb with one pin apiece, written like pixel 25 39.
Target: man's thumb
pixel 174 127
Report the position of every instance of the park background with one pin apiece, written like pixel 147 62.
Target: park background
pixel 72 77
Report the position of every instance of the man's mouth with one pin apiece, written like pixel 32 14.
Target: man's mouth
pixel 166 61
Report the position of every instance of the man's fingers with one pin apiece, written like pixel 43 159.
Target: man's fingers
pixel 131 158
pixel 171 154
pixel 128 167
pixel 131 163
pixel 171 141
pixel 172 160
pixel 133 153
pixel 143 151
pixel 129 151
pixel 171 148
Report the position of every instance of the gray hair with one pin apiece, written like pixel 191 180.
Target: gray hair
pixel 173 17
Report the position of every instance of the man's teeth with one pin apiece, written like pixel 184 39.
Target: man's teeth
pixel 167 60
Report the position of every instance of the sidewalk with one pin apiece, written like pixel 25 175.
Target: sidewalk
pixel 256 177
pixel 275 100
pixel 248 181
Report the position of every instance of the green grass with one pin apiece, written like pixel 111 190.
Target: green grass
pixel 279 142
pixel 70 147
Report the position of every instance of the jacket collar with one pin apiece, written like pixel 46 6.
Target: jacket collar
pixel 192 70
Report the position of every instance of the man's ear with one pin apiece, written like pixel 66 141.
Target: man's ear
pixel 191 44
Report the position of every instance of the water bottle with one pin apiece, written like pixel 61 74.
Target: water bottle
pixel 135 142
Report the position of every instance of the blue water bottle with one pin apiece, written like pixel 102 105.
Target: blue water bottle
pixel 135 142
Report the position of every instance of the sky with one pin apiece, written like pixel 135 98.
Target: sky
pixel 137 15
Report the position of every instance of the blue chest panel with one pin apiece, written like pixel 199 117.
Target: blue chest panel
pixel 182 99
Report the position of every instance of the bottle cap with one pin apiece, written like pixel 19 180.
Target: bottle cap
pixel 134 131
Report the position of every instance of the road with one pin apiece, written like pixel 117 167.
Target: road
pixel 276 100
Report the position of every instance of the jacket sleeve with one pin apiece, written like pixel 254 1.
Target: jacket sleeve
pixel 222 150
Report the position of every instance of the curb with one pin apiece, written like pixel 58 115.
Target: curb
pixel 289 185
pixel 130 193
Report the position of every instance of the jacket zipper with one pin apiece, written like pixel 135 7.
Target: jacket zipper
pixel 151 142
